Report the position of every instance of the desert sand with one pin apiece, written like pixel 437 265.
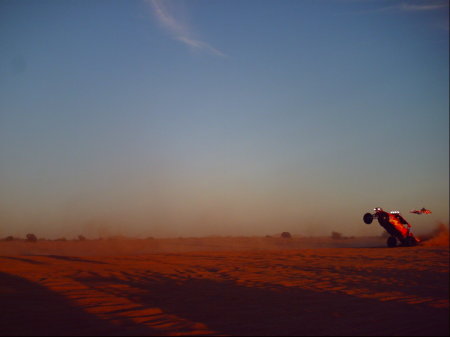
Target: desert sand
pixel 224 286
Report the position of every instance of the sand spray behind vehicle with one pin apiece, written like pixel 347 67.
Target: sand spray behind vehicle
pixel 438 237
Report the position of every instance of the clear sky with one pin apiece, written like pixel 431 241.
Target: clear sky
pixel 192 118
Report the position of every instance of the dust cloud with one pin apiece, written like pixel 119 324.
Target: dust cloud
pixel 438 237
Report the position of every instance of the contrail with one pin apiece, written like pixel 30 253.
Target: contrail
pixel 178 30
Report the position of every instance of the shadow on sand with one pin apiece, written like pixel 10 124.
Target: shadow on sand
pixel 21 259
pixel 27 308
pixel 231 309
pixel 71 259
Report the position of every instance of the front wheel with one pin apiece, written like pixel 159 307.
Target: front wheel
pixel 368 218
pixel 383 218
pixel 391 242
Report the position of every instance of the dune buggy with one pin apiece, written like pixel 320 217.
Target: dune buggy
pixel 396 225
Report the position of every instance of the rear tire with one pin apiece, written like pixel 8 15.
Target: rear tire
pixel 391 242
pixel 410 241
pixel 368 218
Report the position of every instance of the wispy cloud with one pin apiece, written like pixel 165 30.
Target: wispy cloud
pixel 423 6
pixel 408 6
pixel 178 30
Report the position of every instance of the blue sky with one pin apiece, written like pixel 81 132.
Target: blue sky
pixel 188 118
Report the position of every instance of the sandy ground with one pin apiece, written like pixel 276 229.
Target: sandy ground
pixel 262 286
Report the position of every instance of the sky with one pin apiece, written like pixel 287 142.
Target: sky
pixel 198 118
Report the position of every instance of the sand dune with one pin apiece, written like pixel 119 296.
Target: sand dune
pixel 126 246
pixel 283 291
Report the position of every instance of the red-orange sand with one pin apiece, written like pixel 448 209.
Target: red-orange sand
pixel 46 289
